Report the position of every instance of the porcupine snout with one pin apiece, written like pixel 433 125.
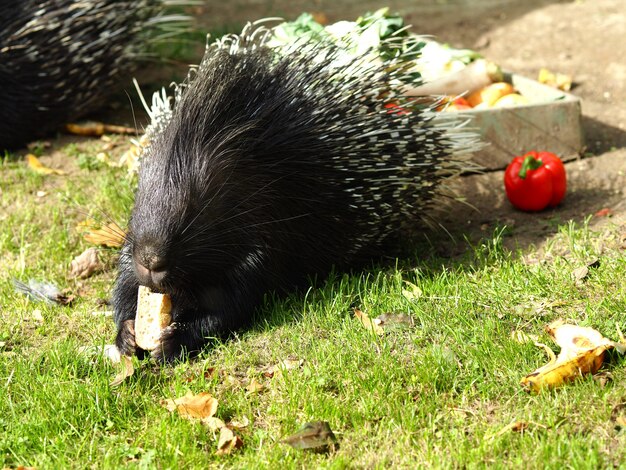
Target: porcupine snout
pixel 151 266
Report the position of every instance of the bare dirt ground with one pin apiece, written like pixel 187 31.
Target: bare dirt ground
pixel 585 39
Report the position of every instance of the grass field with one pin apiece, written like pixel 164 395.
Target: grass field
pixel 440 393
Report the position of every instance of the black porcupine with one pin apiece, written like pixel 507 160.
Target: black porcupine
pixel 269 168
pixel 59 59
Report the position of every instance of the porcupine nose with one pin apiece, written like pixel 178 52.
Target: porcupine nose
pixel 150 266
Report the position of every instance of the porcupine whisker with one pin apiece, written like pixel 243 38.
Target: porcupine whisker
pixel 115 229
pixel 203 208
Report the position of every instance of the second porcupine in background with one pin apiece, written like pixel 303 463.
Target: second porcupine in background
pixel 271 166
pixel 59 59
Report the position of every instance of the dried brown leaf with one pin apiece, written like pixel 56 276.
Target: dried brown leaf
pixel 580 273
pixel 239 424
pixel 254 386
pixel 126 371
pixel 111 235
pixel 603 378
pixel 285 364
pixel 618 414
pixel 228 441
pixel 190 406
pixel 85 264
pixel 213 423
pixel 368 323
pixel 314 435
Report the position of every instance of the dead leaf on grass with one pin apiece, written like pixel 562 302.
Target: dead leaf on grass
pixel 97 129
pixel 254 386
pixel 582 352
pixel 515 426
pixel 126 371
pixel 131 157
pixel 603 377
pixel 213 423
pixel 368 323
pixel 618 415
pixel 412 292
pixel 239 424
pixel 227 442
pixel 110 235
pixel 582 272
pixel 314 435
pixel 85 264
pixel 35 164
pixel 522 337
pixel 544 306
pixel 277 369
pixel 190 406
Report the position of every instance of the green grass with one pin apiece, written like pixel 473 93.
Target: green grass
pixel 438 394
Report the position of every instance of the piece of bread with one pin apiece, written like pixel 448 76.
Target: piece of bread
pixel 153 314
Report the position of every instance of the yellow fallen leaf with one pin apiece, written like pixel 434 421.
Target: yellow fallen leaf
pixel 191 406
pixel 412 292
pixel 85 264
pixel 582 352
pixel 111 235
pixel 228 441
pixel 97 129
pixel 368 323
pixel 126 371
pixel 131 157
pixel 38 167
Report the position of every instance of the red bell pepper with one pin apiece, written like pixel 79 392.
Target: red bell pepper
pixel 535 181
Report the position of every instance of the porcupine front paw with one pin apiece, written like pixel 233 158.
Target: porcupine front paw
pixel 179 341
pixel 125 340
pixel 171 345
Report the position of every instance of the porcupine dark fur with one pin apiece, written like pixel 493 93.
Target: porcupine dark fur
pixel 59 59
pixel 272 167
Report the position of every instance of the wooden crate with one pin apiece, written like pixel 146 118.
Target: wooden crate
pixel 551 122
